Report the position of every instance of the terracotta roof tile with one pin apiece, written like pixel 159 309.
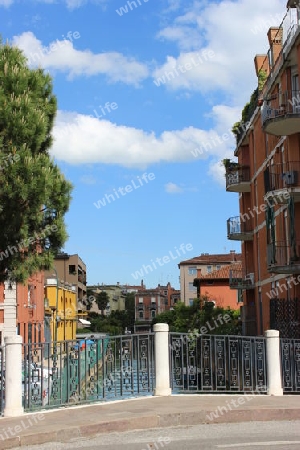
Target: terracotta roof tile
pixel 213 259
pixel 222 273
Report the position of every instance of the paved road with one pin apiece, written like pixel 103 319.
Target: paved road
pixel 238 436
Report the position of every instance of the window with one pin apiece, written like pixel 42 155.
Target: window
pixel 141 300
pixel 72 269
pixel 208 269
pixel 141 314
pixel 192 288
pixel 191 301
pixel 192 271
pixel 153 313
pixel 218 267
pixel 153 299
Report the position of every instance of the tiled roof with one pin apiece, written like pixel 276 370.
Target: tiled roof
pixel 222 273
pixel 205 258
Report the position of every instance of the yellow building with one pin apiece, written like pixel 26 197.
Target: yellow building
pixel 61 308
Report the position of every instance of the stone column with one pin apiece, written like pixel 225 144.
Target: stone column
pixel 162 366
pixel 13 376
pixel 273 357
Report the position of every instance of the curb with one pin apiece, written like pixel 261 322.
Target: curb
pixel 146 422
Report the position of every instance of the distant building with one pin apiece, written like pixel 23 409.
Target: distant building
pixel 116 295
pixel 207 264
pixel 148 303
pixel 217 286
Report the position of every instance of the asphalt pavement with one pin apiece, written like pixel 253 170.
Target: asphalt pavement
pixel 67 424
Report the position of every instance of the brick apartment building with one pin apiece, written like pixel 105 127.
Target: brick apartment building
pixel 267 178
pixel 205 263
pixel 151 302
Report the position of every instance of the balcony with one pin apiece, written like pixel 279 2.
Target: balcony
pixel 281 113
pixel 289 49
pixel 283 258
pixel 238 179
pixel 239 279
pixel 239 230
pixel 282 181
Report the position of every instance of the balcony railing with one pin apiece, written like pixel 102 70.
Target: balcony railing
pixel 238 179
pixel 283 258
pixel 283 181
pixel 288 40
pixel 239 230
pixel 281 112
pixel 240 279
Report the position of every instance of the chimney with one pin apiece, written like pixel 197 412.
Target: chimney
pixel 275 41
pixel 261 62
pixel 232 252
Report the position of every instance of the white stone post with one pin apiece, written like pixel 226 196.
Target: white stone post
pixel 274 378
pixel 13 376
pixel 162 366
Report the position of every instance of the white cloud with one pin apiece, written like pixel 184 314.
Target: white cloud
pixel 63 57
pixel 226 28
pixel 71 4
pixel 88 179
pixel 109 143
pixel 6 3
pixel 172 188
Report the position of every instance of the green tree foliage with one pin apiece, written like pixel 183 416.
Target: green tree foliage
pixel 118 321
pixel 34 195
pixel 102 300
pixel 202 313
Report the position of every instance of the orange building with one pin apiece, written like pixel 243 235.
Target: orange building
pixel 30 309
pixel 26 316
pixel 267 178
pixel 216 287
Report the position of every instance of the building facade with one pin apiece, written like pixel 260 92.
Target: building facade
pixel 72 270
pixel 267 178
pixel 148 304
pixel 22 309
pixel 60 311
pixel 219 288
pixel 205 263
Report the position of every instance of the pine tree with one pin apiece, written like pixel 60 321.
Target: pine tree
pixel 34 195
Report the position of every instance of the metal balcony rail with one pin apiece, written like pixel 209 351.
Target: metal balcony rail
pixel 241 279
pixel 236 175
pixel 280 105
pixel 235 225
pixel 275 66
pixel 282 176
pixel 281 254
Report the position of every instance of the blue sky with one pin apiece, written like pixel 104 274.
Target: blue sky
pixel 138 92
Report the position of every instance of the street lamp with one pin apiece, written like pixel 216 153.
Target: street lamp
pixel 55 339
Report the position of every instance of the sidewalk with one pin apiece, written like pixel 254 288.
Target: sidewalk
pixel 67 424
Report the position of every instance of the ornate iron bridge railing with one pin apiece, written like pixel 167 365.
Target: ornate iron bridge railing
pixel 85 371
pixel 2 379
pixel 215 364
pixel 290 363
